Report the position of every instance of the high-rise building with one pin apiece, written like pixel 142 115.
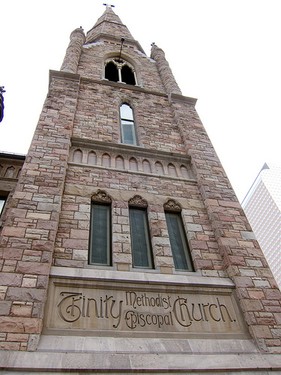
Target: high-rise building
pixel 262 206
pixel 123 246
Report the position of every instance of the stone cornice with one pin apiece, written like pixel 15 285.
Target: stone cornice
pixel 63 75
pixel 180 98
pixel 112 38
pixel 122 85
pixel 130 150
pixel 77 77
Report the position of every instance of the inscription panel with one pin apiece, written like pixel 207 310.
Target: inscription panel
pixel 104 308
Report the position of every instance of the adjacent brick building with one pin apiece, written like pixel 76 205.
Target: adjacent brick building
pixel 123 245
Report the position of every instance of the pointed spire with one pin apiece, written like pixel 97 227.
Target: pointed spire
pixel 109 24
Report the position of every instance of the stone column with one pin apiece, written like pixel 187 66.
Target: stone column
pixel 73 52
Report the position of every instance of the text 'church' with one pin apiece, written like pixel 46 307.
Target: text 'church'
pixel 123 246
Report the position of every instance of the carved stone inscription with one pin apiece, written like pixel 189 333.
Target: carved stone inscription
pixel 102 309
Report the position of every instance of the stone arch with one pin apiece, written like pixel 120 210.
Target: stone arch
pixel 19 171
pixel 184 171
pixel 119 162
pixel 133 164
pixel 159 168
pixel 77 156
pixel 92 158
pixel 146 166
pixel 172 170
pixel 10 172
pixel 106 160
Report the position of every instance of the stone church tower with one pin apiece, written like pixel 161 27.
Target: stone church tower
pixel 123 246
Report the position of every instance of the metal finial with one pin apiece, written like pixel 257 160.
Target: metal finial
pixel 122 41
pixel 1 103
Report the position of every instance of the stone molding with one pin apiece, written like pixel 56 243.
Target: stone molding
pixel 132 159
pixel 101 197
pixel 138 201
pixel 172 205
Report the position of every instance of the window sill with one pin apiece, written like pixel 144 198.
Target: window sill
pixel 150 276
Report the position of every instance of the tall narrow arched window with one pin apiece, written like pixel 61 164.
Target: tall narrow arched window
pixel 111 72
pixel 179 245
pixel 128 131
pixel 140 235
pixel 2 203
pixel 127 75
pixel 100 229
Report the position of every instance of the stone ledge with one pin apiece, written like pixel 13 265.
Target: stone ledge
pixel 190 278
pixel 133 345
pixel 143 363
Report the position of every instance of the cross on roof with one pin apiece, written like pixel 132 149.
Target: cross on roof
pixel 109 5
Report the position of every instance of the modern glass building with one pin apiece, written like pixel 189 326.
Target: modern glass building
pixel 262 206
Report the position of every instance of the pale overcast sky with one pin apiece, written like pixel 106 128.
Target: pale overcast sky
pixel 225 53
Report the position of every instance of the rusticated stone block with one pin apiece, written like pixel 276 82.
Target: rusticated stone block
pixel 272 294
pixel 256 294
pixel 5 307
pixel 10 279
pixel 17 337
pixel 12 253
pixel 34 268
pixel 25 294
pixel 43 245
pixel 11 324
pixel 261 331
pixel 243 281
pixel 13 232
pixel 9 345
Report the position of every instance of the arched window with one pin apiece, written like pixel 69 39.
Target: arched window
pixel 118 70
pixel 100 229
pixel 111 72
pixel 177 236
pixel 127 75
pixel 128 131
pixel 2 203
pixel 140 235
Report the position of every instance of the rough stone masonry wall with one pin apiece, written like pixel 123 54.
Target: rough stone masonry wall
pixel 98 117
pixel 82 182
pixel 256 289
pixel 94 55
pixel 29 230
